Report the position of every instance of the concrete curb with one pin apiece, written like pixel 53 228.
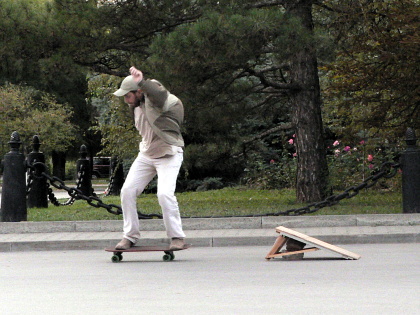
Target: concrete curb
pixel 268 222
pixel 217 232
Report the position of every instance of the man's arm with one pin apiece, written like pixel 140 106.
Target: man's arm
pixel 155 92
pixel 137 74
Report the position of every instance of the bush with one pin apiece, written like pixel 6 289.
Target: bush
pixel 71 170
pixel 351 165
pixel 270 174
pixel 210 183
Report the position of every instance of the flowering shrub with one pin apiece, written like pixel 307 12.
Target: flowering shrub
pixel 276 173
pixel 350 165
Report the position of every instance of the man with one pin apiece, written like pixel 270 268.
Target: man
pixel 158 116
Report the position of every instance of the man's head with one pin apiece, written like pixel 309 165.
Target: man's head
pixel 127 85
pixel 130 90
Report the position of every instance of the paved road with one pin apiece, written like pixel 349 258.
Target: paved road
pixel 218 280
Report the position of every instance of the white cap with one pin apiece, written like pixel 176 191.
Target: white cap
pixel 127 85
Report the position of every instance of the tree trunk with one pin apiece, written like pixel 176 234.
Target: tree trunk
pixel 312 168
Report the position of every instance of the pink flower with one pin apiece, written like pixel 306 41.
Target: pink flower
pixel 362 142
pixel 290 141
pixel 295 154
pixel 272 161
pixel 336 143
pixel 370 166
pixel 370 158
pixel 347 148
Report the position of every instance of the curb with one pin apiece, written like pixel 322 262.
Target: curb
pixel 411 219
pixel 217 232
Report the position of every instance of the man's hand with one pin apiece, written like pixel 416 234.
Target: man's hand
pixel 137 74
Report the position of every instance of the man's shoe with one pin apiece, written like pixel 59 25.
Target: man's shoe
pixel 177 244
pixel 124 244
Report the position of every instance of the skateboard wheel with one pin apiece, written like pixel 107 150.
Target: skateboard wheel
pixel 168 256
pixel 116 258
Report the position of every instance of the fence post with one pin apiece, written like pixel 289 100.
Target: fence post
pixel 83 164
pixel 117 172
pixel 13 199
pixel 410 165
pixel 38 192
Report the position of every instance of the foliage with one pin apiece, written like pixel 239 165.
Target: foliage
pixel 118 136
pixel 373 84
pixel 33 112
pixel 276 174
pixel 39 50
pixel 273 166
pixel 231 62
pixel 351 164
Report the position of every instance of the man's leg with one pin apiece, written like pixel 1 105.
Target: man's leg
pixel 141 173
pixel 167 170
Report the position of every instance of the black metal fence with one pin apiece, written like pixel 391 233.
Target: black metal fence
pixel 26 183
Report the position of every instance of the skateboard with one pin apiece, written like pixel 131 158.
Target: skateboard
pixel 168 256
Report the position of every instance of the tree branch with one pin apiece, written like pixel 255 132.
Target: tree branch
pixel 267 82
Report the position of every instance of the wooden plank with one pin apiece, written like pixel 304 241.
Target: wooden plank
pixel 316 242
pixel 278 244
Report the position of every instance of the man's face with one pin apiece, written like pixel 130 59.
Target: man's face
pixel 133 98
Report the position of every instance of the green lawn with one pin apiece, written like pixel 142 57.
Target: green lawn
pixel 226 202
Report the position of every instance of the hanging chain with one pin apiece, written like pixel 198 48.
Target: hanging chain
pixel 110 187
pixel 72 199
pixel 387 170
pixel 39 170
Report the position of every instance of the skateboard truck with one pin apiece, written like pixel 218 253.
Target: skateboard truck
pixel 287 235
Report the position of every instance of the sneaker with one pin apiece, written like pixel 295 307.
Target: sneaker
pixel 177 244
pixel 124 244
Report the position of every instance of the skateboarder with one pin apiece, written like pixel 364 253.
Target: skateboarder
pixel 158 115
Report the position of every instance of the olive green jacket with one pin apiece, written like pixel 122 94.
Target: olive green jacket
pixel 164 112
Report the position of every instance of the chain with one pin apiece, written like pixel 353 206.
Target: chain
pixel 110 187
pixel 39 171
pixel 29 183
pixel 72 199
pixel 387 170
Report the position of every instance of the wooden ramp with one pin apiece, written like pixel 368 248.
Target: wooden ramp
pixel 317 244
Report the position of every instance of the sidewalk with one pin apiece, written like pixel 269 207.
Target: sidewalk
pixel 259 231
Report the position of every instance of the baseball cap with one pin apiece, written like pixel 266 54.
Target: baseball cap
pixel 127 85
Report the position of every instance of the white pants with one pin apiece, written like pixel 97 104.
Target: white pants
pixel 141 173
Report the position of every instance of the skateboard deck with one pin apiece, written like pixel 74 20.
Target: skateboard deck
pixel 168 256
pixel 286 233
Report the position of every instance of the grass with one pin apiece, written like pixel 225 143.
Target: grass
pixel 226 202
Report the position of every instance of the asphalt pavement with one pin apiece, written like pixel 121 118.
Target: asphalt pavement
pixel 212 280
pixel 62 268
